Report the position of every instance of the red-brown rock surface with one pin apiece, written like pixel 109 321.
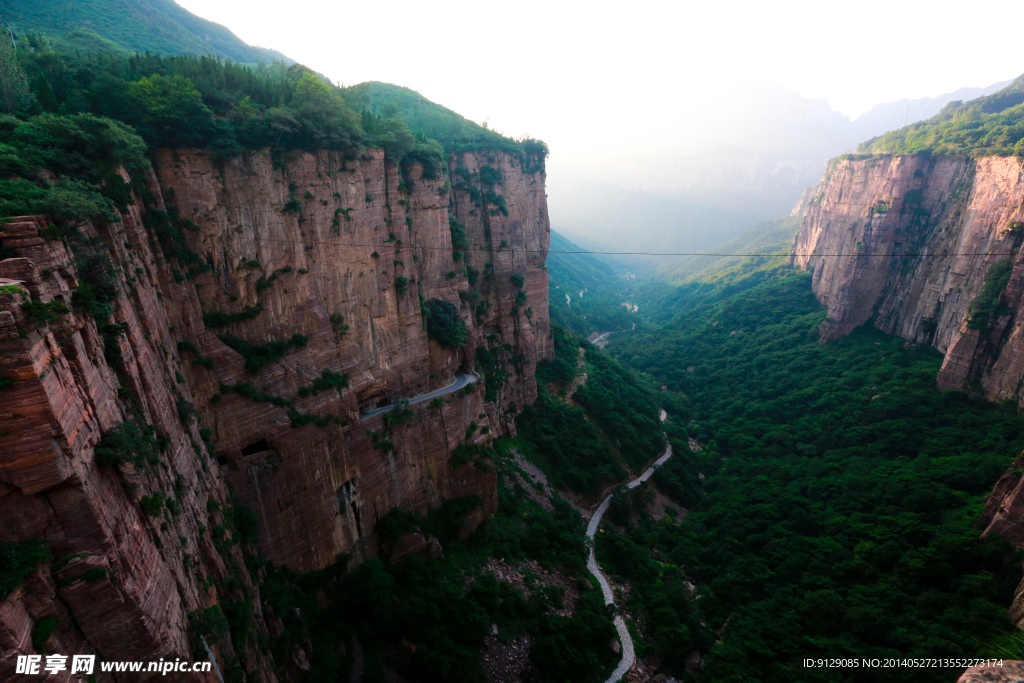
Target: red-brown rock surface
pixel 314 236
pixel 341 252
pixel 1009 672
pixel 139 590
pixel 908 242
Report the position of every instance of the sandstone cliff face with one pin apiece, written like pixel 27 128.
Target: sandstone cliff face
pixel 124 581
pixel 330 257
pixel 908 242
pixel 343 252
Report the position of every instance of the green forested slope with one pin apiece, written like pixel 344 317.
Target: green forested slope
pixel 988 126
pixel 612 419
pixel 64 101
pixel 771 237
pixel 446 606
pixel 837 517
pixel 422 116
pixel 158 26
pixel 663 302
pixel 601 308
pixel 66 44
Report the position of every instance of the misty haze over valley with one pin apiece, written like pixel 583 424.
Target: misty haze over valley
pixel 752 165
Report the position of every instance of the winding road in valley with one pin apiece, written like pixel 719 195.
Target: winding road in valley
pixel 461 380
pixel 628 655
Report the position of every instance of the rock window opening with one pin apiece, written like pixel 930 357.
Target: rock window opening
pixel 254 448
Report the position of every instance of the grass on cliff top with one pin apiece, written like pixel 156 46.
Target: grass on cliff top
pixel 987 126
pixel 838 514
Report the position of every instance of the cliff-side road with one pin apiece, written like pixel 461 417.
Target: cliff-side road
pixel 461 380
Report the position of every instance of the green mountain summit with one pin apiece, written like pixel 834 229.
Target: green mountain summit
pixel 160 26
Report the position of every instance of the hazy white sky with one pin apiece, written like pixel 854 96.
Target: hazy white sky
pixel 642 72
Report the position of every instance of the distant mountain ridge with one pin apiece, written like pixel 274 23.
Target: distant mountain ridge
pixel 892 115
pixel 776 143
pixel 986 126
pixel 776 236
pixel 159 26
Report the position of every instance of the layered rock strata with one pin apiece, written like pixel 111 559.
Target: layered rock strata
pixel 345 252
pixel 125 577
pixel 262 307
pixel 908 243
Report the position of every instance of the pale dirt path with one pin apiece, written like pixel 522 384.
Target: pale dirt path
pixel 534 473
pixel 628 653
pixel 601 340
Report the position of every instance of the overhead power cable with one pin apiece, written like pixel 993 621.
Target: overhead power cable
pixel 622 253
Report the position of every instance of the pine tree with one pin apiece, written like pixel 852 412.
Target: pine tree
pixel 14 92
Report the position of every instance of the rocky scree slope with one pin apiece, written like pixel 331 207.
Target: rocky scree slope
pixel 260 305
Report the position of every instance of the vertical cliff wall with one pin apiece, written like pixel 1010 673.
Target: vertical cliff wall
pixel 909 243
pixel 345 252
pixel 263 308
pixel 126 576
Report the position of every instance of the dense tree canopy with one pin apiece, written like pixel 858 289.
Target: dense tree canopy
pixel 612 418
pixel 987 126
pixel 837 518
pixel 188 101
pixel 81 152
pixel 444 324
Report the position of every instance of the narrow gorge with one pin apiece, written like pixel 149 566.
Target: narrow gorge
pixel 282 392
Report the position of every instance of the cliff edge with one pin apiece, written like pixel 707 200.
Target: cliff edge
pixel 927 249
